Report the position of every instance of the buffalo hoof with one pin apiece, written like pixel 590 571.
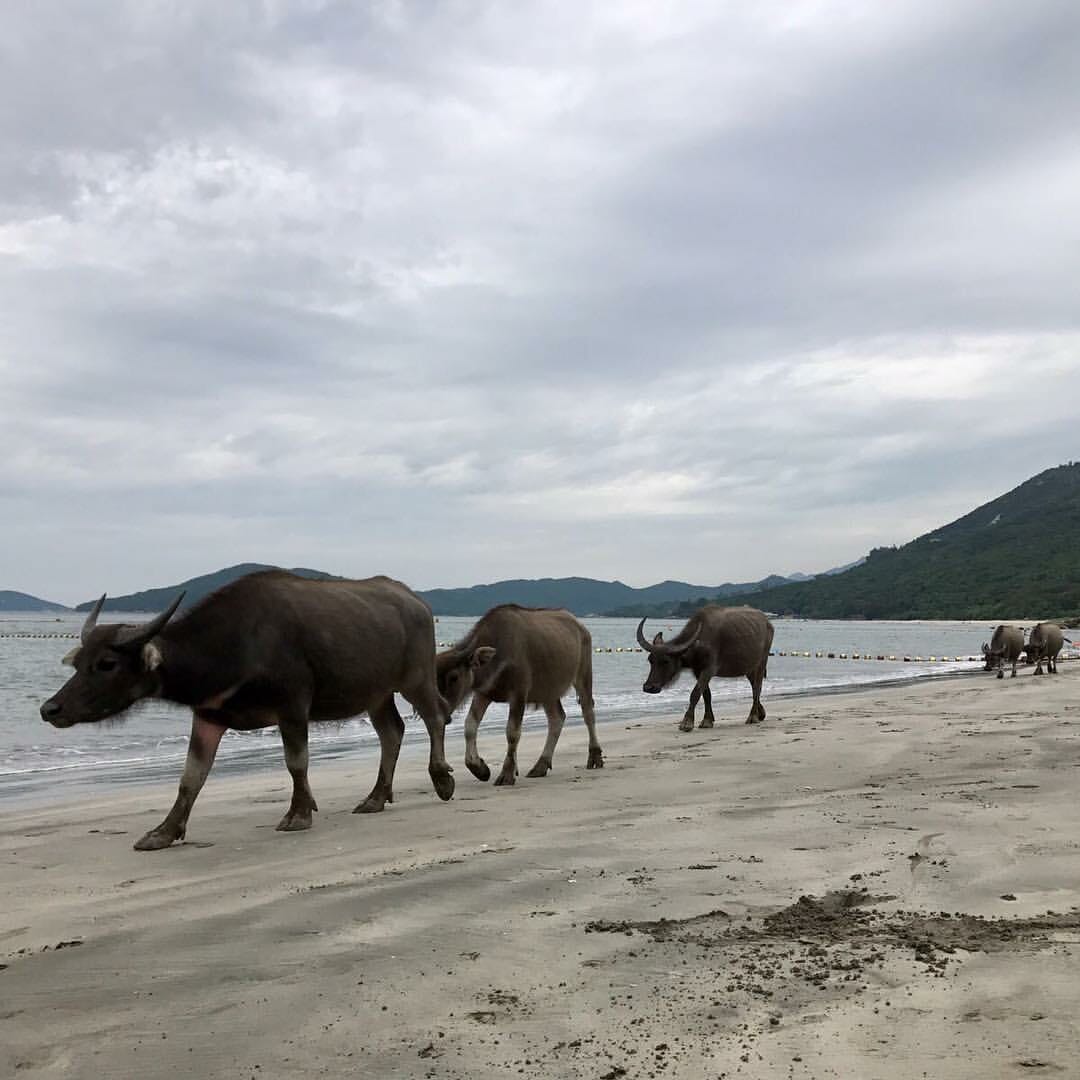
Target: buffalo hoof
pixel 444 784
pixel 686 725
pixel 753 718
pixel 158 838
pixel 1036 672
pixel 596 758
pixel 294 821
pixel 506 779
pixel 1001 674
pixel 708 721
pixel 373 804
pixel 479 769
pixel 541 768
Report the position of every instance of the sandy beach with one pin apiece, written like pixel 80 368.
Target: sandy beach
pixel 640 921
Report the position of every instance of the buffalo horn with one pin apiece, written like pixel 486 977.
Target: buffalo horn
pixel 91 619
pixel 134 636
pixel 643 641
pixel 666 649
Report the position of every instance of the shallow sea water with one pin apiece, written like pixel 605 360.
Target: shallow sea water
pixel 39 762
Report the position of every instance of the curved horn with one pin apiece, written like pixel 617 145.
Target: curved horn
pixel 644 642
pixel 667 649
pixel 91 619
pixel 133 636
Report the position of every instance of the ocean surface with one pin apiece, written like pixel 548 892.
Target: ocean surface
pixel 40 763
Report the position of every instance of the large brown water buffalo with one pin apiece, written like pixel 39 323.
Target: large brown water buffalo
pixel 269 649
pixel 1044 643
pixel 523 656
pixel 1005 647
pixel 717 641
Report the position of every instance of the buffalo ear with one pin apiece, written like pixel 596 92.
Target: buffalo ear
pixel 659 639
pixel 69 659
pixel 986 649
pixel 484 655
pixel 151 656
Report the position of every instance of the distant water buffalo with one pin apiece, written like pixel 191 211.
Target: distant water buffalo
pixel 1044 643
pixel 523 656
pixel 717 641
pixel 1006 647
pixel 268 649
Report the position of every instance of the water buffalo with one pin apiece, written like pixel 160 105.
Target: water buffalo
pixel 1044 643
pixel 523 656
pixel 268 649
pixel 724 641
pixel 1005 648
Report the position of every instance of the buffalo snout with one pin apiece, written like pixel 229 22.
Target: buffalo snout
pixel 51 712
pixel 649 688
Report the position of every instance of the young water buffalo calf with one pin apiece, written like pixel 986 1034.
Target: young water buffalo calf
pixel 523 656
pixel 723 641
pixel 269 649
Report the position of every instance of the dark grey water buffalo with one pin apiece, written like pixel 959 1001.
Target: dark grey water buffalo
pixel 1044 643
pixel 523 656
pixel 269 649
pixel 1006 647
pixel 717 641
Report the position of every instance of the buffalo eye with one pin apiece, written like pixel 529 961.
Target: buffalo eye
pixel 106 663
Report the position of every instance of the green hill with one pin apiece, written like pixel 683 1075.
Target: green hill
pixel 651 604
pixel 20 601
pixel 1018 555
pixel 194 588
pixel 584 596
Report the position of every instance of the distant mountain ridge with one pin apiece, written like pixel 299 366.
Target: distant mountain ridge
pixel 194 589
pixel 1015 556
pixel 583 596
pixel 11 600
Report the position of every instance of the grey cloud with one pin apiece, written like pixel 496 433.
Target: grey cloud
pixel 462 292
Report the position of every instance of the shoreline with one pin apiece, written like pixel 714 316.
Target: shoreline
pixel 587 924
pixel 93 781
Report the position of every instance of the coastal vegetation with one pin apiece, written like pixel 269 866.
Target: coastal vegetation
pixel 1016 556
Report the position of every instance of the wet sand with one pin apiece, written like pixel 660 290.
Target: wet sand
pixel 884 884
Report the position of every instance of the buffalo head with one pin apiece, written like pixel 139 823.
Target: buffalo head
pixel 665 660
pixel 115 666
pixel 458 670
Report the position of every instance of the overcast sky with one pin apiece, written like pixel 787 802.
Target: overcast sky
pixel 472 290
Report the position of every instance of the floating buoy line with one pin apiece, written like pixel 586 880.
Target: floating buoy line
pixel 804 654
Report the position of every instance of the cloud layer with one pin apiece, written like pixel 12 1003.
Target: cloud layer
pixel 462 291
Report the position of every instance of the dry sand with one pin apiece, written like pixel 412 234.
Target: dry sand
pixel 643 921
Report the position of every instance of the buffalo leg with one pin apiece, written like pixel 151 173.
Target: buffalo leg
pixel 473 761
pixel 687 723
pixel 388 725
pixel 556 717
pixel 433 711
pixel 708 719
pixel 202 749
pixel 588 714
pixel 757 710
pixel 514 719
pixel 294 737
